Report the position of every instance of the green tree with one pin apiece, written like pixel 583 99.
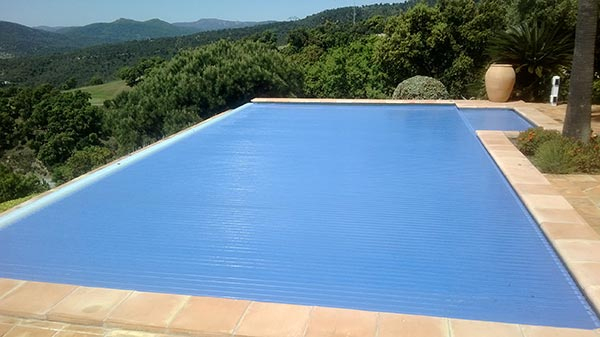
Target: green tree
pixel 578 118
pixel 7 131
pixel 553 13
pixel 61 123
pixel 197 84
pixel 347 72
pixel 14 185
pixel 416 43
pixel 135 74
pixel 96 80
pixel 298 38
pixel 445 41
pixel 70 83
pixel 81 162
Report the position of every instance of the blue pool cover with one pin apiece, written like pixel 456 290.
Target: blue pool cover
pixel 495 119
pixel 376 207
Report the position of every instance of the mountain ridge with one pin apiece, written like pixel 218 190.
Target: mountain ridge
pixel 208 24
pixel 19 40
pixel 123 29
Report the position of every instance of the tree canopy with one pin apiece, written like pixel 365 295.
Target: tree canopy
pixel 199 83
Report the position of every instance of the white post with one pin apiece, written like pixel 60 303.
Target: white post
pixel 554 92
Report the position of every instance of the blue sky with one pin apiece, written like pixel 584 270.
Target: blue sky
pixel 82 12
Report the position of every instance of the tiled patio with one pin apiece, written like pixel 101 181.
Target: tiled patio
pixel 583 192
pixel 565 207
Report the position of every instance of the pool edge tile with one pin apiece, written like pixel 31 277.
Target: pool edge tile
pixel 468 328
pixel 7 286
pixel 579 250
pixel 34 299
pixel 274 320
pixel 87 306
pixel 392 325
pixel 26 331
pixel 325 321
pixel 545 331
pixel 208 316
pixel 569 231
pixel 544 201
pixel 152 312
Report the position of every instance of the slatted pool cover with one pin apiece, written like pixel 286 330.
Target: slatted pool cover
pixel 384 208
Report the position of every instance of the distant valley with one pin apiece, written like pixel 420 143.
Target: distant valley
pixel 19 40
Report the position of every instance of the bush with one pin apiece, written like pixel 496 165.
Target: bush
pixel 587 156
pixel 96 80
pixel 556 156
pixel 14 185
pixel 421 87
pixel 529 140
pixel 82 161
pixel 198 83
pixel 553 153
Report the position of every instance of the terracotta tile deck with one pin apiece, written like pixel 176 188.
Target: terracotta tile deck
pixel 146 311
pixel 87 305
pixel 209 316
pixel 583 192
pixel 565 207
pixel 327 322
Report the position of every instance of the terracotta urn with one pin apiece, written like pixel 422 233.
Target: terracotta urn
pixel 499 82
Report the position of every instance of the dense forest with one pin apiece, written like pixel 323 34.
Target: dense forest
pixel 48 136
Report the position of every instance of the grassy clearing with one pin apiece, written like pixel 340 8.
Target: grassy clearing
pixel 12 203
pixel 105 91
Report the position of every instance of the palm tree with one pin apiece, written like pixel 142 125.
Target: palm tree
pixel 537 51
pixel 579 110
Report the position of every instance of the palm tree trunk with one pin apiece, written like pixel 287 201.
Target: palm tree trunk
pixel 579 110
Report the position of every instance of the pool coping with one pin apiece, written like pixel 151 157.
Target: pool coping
pixel 176 314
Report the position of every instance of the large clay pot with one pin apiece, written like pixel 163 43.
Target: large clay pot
pixel 499 82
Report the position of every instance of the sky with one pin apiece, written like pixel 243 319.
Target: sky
pixel 82 12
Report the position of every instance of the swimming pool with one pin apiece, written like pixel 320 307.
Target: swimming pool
pixel 393 208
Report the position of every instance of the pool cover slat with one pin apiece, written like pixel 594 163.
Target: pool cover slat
pixel 384 208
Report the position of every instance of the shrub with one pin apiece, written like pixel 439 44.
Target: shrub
pixel 587 158
pixel 96 80
pixel 556 156
pixel 82 161
pixel 553 153
pixel 15 185
pixel 529 140
pixel 421 87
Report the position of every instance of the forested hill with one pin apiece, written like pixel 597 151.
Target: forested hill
pixel 104 61
pixel 18 40
pixel 206 25
pixel 124 30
